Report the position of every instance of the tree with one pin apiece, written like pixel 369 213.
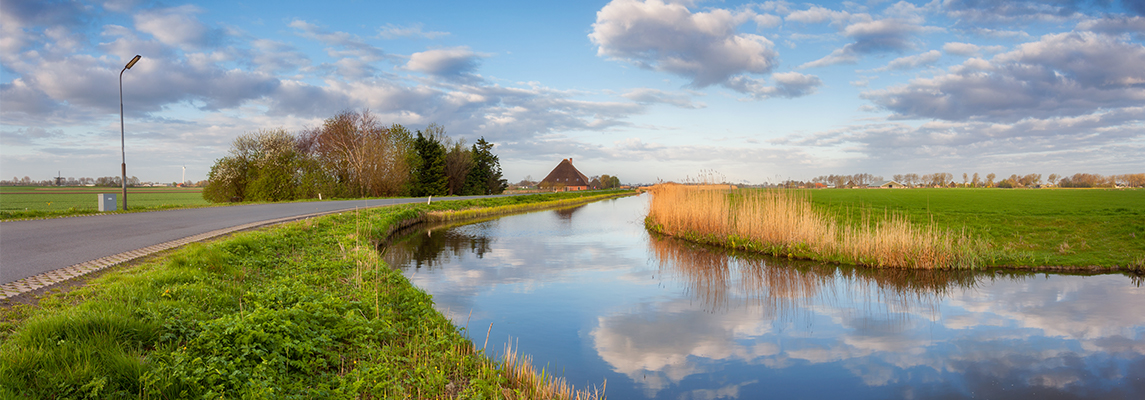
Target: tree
pixel 485 175
pixel 975 182
pixel 429 175
pixel 261 166
pixel 363 156
pixel 965 179
pixel 990 179
pixel 1053 179
pixel 458 163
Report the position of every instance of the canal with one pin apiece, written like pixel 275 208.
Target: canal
pixel 592 296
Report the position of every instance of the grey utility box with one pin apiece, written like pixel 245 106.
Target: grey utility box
pixel 107 202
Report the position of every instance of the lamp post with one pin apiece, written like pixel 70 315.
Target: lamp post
pixel 122 147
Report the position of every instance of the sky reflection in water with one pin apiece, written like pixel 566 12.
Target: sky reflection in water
pixel 587 292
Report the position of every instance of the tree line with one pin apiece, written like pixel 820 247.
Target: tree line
pixel 946 179
pixel 352 154
pixel 103 181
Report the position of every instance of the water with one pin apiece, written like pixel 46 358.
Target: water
pixel 592 296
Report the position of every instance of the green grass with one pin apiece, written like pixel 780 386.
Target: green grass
pixel 39 202
pixel 302 310
pixel 1062 227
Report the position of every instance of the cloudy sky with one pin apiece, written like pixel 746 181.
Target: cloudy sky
pixel 646 90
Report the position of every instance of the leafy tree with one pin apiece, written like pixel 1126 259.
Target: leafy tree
pixel 990 179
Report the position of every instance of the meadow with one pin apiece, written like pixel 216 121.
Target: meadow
pixel 303 310
pixel 915 228
pixel 1027 227
pixel 39 202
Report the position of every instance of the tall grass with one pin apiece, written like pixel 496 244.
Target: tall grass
pixel 786 223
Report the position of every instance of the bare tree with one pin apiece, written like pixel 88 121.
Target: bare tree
pixel 373 159
pixel 975 182
pixel 990 179
pixel 458 162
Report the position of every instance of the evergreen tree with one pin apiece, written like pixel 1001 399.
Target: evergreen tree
pixel 485 176
pixel 429 176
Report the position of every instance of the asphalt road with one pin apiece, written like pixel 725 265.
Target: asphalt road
pixel 29 248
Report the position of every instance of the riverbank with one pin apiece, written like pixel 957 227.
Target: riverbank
pixel 831 226
pixel 305 309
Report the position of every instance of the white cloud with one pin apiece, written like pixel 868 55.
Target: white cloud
pixel 872 36
pixel 788 85
pixel 912 62
pixel 176 26
pixel 651 96
pixel 969 49
pixel 451 63
pixel 391 31
pixel 703 46
pixel 1050 77
pixel 1114 25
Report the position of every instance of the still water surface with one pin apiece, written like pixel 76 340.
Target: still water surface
pixel 593 297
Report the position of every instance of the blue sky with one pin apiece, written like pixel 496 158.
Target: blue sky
pixel 646 90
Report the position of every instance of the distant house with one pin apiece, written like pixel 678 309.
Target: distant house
pixel 565 177
pixel 886 185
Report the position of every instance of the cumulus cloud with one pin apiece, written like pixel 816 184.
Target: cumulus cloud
pixel 1050 77
pixel 176 26
pixel 451 63
pixel 787 85
pixel 912 62
pixel 872 36
pixel 704 47
pixel 355 57
pixel 652 96
pixel 1114 25
pixel 969 49
pixel 391 31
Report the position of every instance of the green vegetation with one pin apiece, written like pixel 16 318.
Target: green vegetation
pixel 303 310
pixel 41 202
pixel 352 155
pixel 1063 227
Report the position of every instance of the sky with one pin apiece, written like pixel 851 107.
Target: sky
pixel 747 92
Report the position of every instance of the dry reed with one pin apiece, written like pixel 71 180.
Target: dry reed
pixel 541 385
pixel 786 223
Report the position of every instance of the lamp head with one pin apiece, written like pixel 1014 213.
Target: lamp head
pixel 133 61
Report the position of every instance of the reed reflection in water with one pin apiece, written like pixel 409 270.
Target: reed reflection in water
pixel 720 279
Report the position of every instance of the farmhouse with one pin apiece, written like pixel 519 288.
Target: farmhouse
pixel 565 177
pixel 886 185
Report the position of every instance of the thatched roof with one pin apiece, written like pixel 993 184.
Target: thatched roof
pixel 565 174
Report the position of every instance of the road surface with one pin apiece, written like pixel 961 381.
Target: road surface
pixel 29 248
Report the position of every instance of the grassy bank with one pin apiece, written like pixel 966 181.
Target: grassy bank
pixel 787 224
pixel 302 310
pixel 1060 227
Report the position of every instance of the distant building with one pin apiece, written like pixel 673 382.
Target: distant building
pixel 565 177
pixel 886 185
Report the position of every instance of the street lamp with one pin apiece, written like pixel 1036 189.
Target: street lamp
pixel 122 151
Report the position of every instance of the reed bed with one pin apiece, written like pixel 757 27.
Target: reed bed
pixel 787 224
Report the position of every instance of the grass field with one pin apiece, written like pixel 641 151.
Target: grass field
pixel 303 310
pixel 1061 227
pixel 37 202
